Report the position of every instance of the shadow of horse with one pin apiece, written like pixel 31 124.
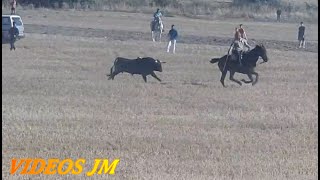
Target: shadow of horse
pixel 249 60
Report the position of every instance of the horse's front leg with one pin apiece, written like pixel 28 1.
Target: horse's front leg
pixel 232 78
pixel 152 36
pixel 160 36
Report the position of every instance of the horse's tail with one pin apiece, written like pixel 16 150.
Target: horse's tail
pixel 214 60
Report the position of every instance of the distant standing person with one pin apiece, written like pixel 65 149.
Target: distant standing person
pixel 301 30
pixel 173 35
pixel 278 15
pixel 13 4
pixel 13 32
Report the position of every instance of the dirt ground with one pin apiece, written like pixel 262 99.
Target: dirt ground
pixel 124 35
pixel 58 103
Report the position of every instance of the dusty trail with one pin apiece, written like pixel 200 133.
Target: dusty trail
pixel 124 35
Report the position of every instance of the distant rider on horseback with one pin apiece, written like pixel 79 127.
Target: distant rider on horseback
pixel 236 47
pixel 156 20
pixel 157 15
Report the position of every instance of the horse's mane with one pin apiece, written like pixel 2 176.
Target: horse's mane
pixel 250 56
pixel 256 48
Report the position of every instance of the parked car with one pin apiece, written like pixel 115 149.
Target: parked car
pixel 7 22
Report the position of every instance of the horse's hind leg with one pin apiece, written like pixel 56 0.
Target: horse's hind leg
pixel 250 77
pixel 223 76
pixel 257 77
pixel 232 78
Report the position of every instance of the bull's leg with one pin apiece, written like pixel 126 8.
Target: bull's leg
pixel 232 78
pixel 257 77
pixel 144 78
pixel 223 76
pixel 155 76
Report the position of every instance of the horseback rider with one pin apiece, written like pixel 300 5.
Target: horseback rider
pixel 236 47
pixel 243 37
pixel 157 20
pixel 157 16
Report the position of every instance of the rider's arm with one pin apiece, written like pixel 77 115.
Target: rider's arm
pixel 244 35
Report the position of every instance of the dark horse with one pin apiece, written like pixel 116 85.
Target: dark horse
pixel 249 60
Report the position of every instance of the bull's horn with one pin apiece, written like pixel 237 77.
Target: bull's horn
pixel 163 62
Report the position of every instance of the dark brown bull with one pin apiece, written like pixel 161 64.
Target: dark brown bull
pixel 143 66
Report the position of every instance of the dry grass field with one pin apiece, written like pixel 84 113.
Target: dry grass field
pixel 58 103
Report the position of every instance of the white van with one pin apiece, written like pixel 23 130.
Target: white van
pixel 7 23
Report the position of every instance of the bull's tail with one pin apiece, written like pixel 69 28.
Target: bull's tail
pixel 110 75
pixel 112 70
pixel 214 60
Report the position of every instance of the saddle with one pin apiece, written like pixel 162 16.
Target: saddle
pixel 237 49
pixel 157 19
pixel 156 24
pixel 234 56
